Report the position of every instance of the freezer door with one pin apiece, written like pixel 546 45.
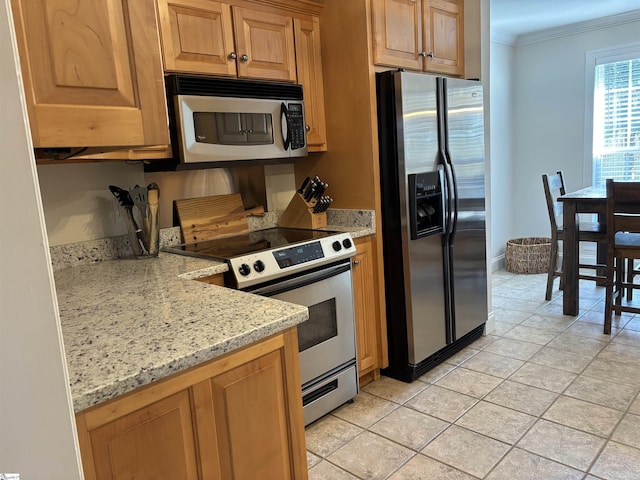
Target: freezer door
pixel 417 121
pixel 465 134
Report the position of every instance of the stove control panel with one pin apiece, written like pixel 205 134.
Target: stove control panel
pixel 264 266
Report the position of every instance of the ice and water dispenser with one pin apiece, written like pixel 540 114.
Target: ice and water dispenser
pixel 426 204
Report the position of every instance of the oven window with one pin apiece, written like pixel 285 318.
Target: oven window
pixel 233 128
pixel 321 326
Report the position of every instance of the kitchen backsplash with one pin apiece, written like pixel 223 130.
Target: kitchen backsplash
pixel 111 248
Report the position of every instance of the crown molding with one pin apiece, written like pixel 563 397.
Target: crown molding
pixel 505 38
pixel 579 27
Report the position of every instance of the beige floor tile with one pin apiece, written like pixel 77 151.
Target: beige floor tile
pixel 621 353
pixel 523 465
pixel 530 334
pixel 492 364
pixel 635 406
pixel 523 398
pixel 617 462
pixel 496 422
pixel 628 431
pixel 590 330
pixel 503 327
pixel 409 427
pixel 484 341
pixel 554 323
pixel 584 416
pixel 469 382
pixel 543 377
pixel 462 356
pixel 516 304
pixel 513 348
pixel 370 456
pixel 561 359
pixel 327 471
pixel 584 346
pixel 394 390
pixel 365 410
pixel 566 445
pixel 328 434
pixel 441 403
pixel 608 394
pixel 614 371
pixel 596 316
pixel 626 336
pixel 632 324
pixel 312 459
pixel 421 467
pixel 467 451
pixel 436 373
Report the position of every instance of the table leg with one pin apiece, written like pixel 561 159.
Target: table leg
pixel 570 260
pixel 601 252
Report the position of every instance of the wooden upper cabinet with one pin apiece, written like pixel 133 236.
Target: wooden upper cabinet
pixel 443 36
pixel 92 72
pixel 202 36
pixel 264 44
pixel 309 69
pixel 397 33
pixel 197 36
pixel 422 35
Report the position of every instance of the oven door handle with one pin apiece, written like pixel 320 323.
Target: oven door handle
pixel 303 280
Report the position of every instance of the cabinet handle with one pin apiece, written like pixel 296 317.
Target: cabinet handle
pixel 233 56
pixel 244 58
pixel 356 263
pixel 422 54
pixel 430 54
pixel 307 128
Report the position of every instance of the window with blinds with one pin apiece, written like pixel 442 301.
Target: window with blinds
pixel 616 121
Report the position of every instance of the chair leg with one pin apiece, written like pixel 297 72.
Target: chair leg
pixel 608 306
pixel 618 290
pixel 629 277
pixel 551 271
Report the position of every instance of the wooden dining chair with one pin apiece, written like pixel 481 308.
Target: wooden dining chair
pixel 588 232
pixel 623 243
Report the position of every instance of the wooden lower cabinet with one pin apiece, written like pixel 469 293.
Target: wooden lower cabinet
pixel 238 417
pixel 366 313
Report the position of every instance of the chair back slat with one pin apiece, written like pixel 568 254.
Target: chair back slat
pixel 554 188
pixel 623 207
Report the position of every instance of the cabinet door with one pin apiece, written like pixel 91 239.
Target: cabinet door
pixel 245 421
pixel 397 33
pixel 264 44
pixel 156 441
pixel 444 36
pixel 364 299
pixel 92 72
pixel 309 68
pixel 197 36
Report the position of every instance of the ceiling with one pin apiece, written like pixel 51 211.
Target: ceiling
pixel 519 17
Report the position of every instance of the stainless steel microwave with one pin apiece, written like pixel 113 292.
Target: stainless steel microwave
pixel 228 120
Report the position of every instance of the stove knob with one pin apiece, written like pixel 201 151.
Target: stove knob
pixel 347 243
pixel 336 246
pixel 258 266
pixel 244 269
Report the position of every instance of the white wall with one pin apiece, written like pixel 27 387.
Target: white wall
pixel 502 157
pixel 37 428
pixel 549 97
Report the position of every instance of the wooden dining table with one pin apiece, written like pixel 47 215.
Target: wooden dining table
pixel 587 200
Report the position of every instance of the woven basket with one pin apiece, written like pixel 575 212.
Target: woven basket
pixel 528 255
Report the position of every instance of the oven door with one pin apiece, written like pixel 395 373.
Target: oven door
pixel 327 340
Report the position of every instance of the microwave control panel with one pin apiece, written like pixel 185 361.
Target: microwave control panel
pixel 296 125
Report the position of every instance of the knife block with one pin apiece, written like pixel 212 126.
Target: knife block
pixel 299 214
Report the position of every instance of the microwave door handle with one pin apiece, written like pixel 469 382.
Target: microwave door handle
pixel 284 113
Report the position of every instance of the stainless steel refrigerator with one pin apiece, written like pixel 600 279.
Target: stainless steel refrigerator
pixel 432 172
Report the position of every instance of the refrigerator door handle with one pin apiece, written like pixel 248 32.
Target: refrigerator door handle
pixel 449 199
pixel 449 161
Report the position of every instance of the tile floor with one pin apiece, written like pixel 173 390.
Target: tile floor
pixel 545 396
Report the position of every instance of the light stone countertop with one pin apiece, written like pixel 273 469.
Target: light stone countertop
pixel 126 323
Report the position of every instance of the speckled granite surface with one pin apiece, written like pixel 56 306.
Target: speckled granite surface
pixel 126 323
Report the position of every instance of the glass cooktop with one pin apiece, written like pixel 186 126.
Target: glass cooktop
pixel 224 248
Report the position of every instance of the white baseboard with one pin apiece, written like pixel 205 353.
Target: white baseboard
pixel 490 326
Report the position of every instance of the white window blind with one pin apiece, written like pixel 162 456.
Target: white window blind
pixel 616 121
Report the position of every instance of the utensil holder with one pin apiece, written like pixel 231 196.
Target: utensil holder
pixel 299 214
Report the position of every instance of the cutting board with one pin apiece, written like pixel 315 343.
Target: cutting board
pixel 207 217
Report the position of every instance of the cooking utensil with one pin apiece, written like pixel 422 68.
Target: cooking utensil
pixel 304 185
pixel 135 233
pixel 152 233
pixel 139 197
